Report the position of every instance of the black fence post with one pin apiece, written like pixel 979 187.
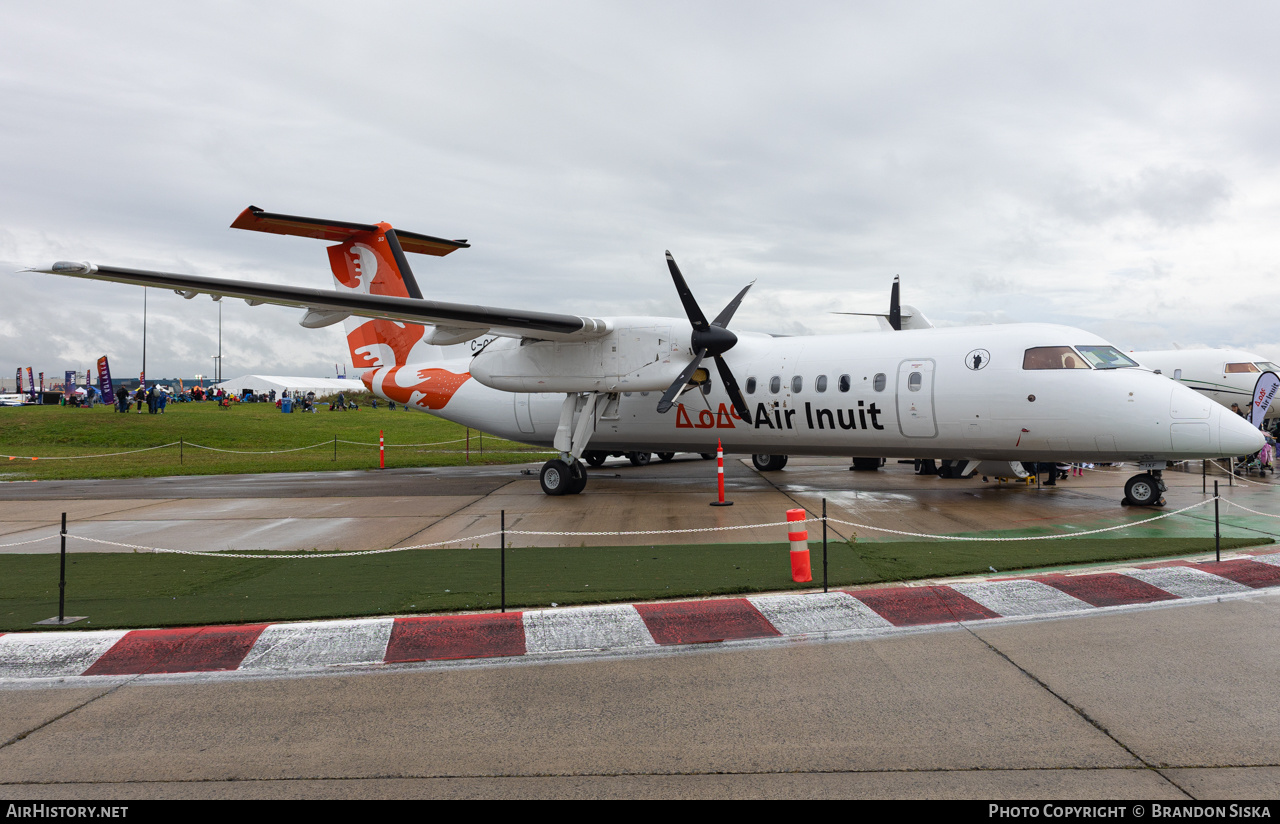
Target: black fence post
pixel 62 574
pixel 180 461
pixel 824 544
pixel 335 448
pixel 1217 529
pixel 502 555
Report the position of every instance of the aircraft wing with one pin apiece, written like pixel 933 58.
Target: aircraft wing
pixel 331 306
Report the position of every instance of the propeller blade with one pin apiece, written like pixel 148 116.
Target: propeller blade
pixel 731 386
pixel 726 314
pixel 895 307
pixel 674 389
pixel 691 307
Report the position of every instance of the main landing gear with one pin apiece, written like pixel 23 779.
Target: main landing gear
pixel 562 478
pixel 1146 489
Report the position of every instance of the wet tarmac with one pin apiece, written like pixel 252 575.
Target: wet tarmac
pixel 1160 702
pixel 411 507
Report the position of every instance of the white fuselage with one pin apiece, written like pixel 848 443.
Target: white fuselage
pixel 914 393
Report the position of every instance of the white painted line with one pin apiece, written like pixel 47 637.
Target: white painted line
pixel 53 654
pixel 817 612
pixel 1020 597
pixel 320 644
pixel 1187 582
pixel 586 628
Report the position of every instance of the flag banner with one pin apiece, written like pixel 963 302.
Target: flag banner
pixel 68 383
pixel 104 377
pixel 31 383
pixel 1264 391
pixel 18 382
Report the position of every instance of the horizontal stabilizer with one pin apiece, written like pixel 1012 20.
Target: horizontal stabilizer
pixel 256 220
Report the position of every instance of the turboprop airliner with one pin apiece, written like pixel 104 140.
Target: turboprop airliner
pixel 1026 392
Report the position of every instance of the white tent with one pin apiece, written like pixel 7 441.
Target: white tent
pixel 260 384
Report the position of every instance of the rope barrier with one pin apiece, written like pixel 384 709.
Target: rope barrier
pixel 1247 509
pixel 1031 538
pixel 82 457
pixel 1237 477
pixel 251 452
pixel 546 533
pixel 32 541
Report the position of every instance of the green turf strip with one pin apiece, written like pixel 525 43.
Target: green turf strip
pixel 157 590
pixel 257 435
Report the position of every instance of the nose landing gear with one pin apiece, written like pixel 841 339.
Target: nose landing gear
pixel 1146 489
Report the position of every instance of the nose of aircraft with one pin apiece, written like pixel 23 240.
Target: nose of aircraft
pixel 1236 436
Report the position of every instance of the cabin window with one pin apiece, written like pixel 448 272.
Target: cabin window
pixel 1053 357
pixel 751 386
pixel 821 383
pixel 914 381
pixel 1106 357
pixel 775 384
pixel 845 383
pixel 1267 366
pixel 1236 368
pixel 879 382
pixel 1177 374
pixel 797 383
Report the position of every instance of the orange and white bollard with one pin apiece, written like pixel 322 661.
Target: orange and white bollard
pixel 720 476
pixel 382 451
pixel 800 571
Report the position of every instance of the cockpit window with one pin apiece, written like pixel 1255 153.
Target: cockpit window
pixel 1267 366
pixel 1236 368
pixel 1105 357
pixel 1053 357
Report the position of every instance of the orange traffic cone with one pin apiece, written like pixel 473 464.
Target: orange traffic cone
pixel 800 571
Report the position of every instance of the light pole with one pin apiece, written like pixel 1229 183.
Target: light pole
pixel 142 377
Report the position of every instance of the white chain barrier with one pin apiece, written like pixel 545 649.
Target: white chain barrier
pixel 328 443
pixel 252 452
pixel 32 541
pixel 82 457
pixel 1236 476
pixel 1247 509
pixel 770 525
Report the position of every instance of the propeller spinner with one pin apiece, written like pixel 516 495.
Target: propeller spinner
pixel 712 339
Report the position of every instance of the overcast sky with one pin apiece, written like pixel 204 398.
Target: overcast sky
pixel 1111 166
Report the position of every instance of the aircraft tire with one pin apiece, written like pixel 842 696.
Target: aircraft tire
pixel 595 457
pixel 867 464
pixel 706 456
pixel 639 458
pixel 577 478
pixel 1142 490
pixel 556 477
pixel 769 463
pixel 666 457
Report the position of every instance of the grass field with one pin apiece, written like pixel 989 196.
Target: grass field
pixel 258 435
pixel 158 590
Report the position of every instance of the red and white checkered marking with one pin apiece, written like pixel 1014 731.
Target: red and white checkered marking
pixel 380 641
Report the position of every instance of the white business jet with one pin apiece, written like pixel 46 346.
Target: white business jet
pixel 1030 392
pixel 1226 375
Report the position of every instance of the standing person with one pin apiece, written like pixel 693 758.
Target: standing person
pixel 140 396
pixel 122 398
pixel 152 394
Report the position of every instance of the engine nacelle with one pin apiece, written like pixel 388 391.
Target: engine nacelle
pixel 633 358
